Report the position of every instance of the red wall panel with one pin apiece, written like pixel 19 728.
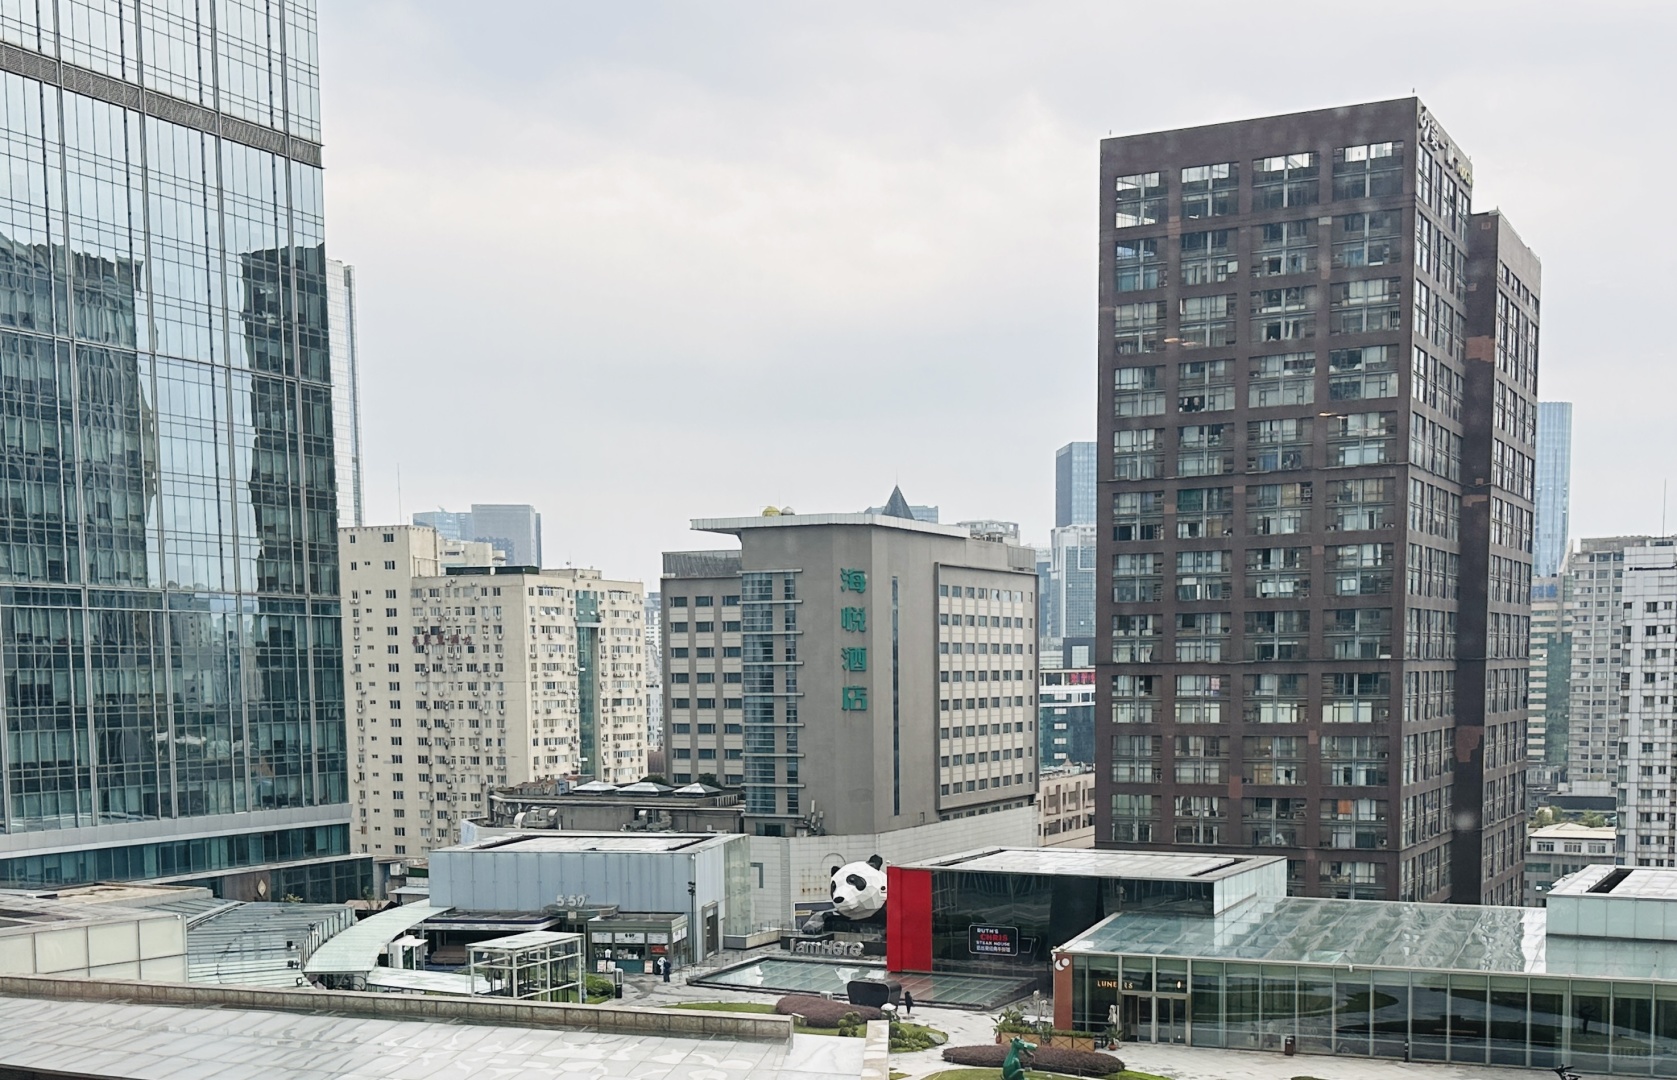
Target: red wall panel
pixel 908 919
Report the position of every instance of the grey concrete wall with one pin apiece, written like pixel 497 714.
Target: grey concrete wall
pixel 689 1024
pixel 506 879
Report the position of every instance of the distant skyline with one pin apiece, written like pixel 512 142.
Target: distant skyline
pixel 684 261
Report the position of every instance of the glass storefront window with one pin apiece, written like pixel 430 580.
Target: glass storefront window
pixel 1315 1010
pixel 1206 1004
pixel 1429 1017
pixel 1548 1023
pixel 1280 1003
pixel 1467 1018
pixel 1588 1027
pixel 1665 1032
pixel 1352 1002
pixel 1633 1023
pixel 1389 1013
pixel 1099 992
pixel 1596 1026
pixel 1508 1035
pixel 1241 1002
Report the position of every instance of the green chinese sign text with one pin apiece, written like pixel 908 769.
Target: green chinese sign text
pixel 855 699
pixel 855 581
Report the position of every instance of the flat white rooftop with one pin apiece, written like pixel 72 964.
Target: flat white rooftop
pixel 1082 862
pixel 736 525
pixel 1619 883
pixel 603 842
pixel 150 1042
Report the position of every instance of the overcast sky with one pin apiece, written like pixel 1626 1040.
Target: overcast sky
pixel 637 263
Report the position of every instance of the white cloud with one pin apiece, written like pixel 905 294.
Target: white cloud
pixel 665 261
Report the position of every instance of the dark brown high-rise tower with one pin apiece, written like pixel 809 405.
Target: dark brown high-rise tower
pixel 1318 387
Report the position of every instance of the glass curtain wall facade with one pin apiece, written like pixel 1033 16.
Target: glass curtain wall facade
pixel 1073 580
pixel 1074 484
pixel 1554 486
pixel 168 563
pixel 1623 1027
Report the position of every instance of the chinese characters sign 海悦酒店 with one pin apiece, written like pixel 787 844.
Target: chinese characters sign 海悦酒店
pixel 854 658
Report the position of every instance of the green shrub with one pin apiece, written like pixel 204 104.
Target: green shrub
pixel 1045 1058
pixel 823 1012
pixel 907 1038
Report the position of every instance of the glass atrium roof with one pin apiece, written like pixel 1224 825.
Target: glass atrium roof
pixel 1380 933
pixel 1315 931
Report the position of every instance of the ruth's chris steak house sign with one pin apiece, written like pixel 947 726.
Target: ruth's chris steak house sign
pixel 993 940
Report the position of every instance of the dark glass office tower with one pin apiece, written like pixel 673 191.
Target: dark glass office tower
pixel 1317 387
pixel 173 701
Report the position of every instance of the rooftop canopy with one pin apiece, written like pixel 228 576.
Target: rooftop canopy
pixel 356 950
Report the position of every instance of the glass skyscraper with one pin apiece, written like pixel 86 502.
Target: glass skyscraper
pixel 1554 486
pixel 1074 484
pixel 169 625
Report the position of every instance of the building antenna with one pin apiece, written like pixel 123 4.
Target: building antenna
pixel 399 518
pixel 1664 485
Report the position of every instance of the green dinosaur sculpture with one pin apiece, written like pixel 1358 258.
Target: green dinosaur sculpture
pixel 1011 1067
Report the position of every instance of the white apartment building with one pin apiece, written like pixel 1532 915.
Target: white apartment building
pixel 1594 614
pixel 462 676
pixel 1647 811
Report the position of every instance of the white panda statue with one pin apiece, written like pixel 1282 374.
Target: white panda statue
pixel 858 892
pixel 859 889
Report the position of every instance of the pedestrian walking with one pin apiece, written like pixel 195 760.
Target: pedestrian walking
pixel 664 967
pixel 908 1003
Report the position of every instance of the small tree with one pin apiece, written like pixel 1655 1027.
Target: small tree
pixel 1593 819
pixel 653 778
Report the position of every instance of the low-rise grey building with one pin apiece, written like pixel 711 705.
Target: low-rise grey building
pixel 706 878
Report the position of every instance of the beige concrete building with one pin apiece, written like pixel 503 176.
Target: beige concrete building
pixel 463 676
pixel 1554 851
pixel 1065 802
pixel 854 673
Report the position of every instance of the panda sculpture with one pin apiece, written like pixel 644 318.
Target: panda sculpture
pixel 858 892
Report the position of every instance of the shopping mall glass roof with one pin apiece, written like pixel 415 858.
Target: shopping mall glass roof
pixel 1303 930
